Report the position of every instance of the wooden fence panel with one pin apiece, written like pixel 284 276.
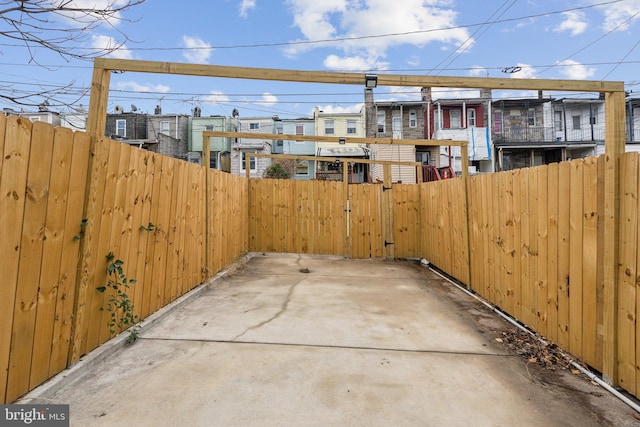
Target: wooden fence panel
pixel 628 272
pixel 31 245
pixel 15 159
pixel 590 261
pixel 542 250
pixel 73 231
pixel 53 235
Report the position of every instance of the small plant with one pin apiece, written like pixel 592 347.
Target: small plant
pixel 83 225
pixel 148 228
pixel 278 171
pixel 119 304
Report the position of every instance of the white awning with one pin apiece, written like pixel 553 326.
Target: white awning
pixel 343 152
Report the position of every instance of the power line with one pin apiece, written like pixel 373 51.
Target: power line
pixel 342 39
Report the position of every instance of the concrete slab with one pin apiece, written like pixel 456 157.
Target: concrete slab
pixel 299 340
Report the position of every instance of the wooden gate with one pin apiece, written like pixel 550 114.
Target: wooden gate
pixel 336 218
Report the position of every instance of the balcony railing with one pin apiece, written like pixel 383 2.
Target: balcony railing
pixel 545 134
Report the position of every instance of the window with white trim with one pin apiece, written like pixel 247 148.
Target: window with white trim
pixel 254 126
pixel 471 117
pixel 577 122
pixel 121 128
pixel 252 161
pixel 557 120
pixel 531 116
pixel 351 127
pixel 381 119
pixel 329 127
pixel 413 119
pixel 455 119
pixel 164 127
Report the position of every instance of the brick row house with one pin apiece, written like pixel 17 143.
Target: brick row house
pixel 502 134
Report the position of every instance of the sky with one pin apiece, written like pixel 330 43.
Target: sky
pixel 551 39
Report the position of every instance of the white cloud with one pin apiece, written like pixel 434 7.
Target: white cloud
pixel 215 97
pixel 574 22
pixel 477 71
pixel 246 6
pixel 80 18
pixel 354 63
pixel 137 87
pixel 107 43
pixel 574 70
pixel 616 15
pixel 523 71
pixel 414 60
pixel 268 100
pixel 198 51
pixel 416 21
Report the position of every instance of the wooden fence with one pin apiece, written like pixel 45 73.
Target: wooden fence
pixel 532 243
pixel 149 211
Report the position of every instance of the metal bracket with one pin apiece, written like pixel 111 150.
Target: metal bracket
pixel 387 243
pixel 386 188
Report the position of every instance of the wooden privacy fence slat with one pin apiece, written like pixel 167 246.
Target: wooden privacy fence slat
pixel 150 214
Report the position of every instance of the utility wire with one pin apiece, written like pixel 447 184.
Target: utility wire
pixel 342 39
pixel 590 44
pixel 470 39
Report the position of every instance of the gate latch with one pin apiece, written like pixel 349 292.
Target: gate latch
pixel 387 243
pixel 386 188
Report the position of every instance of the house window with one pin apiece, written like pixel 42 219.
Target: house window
pixel 34 118
pixel 497 121
pixel 455 119
pixel 164 127
pixel 381 117
pixel 413 119
pixel 121 128
pixel 329 127
pixel 299 130
pixel 254 126
pixel 576 122
pixel 351 127
pixel 302 167
pixel 208 127
pixel 471 117
pixel 531 116
pixel 252 161
pixel 557 121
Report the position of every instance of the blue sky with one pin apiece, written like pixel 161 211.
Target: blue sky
pixel 564 39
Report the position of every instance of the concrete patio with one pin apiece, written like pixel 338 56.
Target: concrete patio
pixel 285 339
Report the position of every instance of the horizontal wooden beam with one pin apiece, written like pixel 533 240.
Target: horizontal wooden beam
pixel 347 140
pixel 333 159
pixel 331 77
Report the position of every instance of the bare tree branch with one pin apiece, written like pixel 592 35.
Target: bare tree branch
pixel 60 26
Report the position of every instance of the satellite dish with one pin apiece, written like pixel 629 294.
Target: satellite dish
pixel 118 109
pixel 134 108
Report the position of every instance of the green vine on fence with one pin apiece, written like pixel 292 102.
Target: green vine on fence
pixel 148 228
pixel 83 225
pixel 119 304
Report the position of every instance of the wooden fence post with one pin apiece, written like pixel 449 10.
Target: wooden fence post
pixel 206 163
pixel 98 156
pixel 464 154
pixel 614 148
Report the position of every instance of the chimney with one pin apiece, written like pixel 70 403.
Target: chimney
pixel 370 113
pixel 158 110
pixel 426 94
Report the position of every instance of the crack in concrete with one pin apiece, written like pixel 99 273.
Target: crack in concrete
pixel 283 308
